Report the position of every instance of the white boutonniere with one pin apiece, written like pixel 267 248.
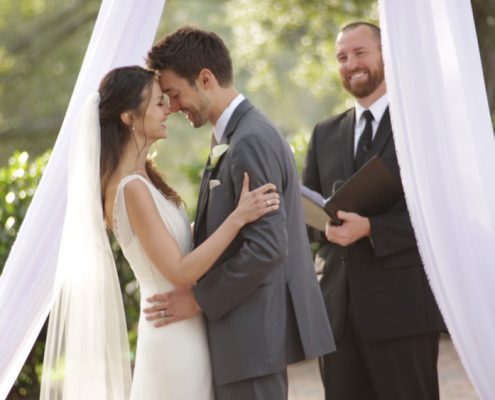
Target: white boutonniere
pixel 216 153
pixel 214 183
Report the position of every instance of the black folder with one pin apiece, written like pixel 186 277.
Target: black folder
pixel 372 190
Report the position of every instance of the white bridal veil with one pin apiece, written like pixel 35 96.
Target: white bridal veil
pixel 87 333
pixel 123 33
pixel 446 152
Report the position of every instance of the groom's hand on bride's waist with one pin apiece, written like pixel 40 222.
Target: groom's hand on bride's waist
pixel 173 306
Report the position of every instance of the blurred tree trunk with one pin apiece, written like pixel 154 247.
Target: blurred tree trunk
pixel 484 17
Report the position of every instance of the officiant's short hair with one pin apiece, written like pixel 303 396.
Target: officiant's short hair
pixel 375 29
pixel 190 49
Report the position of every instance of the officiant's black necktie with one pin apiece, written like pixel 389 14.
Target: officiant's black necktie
pixel 364 142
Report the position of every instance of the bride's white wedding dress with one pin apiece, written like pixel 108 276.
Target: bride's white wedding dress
pixel 172 362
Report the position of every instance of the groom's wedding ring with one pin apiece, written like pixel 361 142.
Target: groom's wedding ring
pixel 268 203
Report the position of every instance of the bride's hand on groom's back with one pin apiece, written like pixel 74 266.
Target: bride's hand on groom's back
pixel 173 306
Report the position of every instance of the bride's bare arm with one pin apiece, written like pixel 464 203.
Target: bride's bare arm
pixel 161 247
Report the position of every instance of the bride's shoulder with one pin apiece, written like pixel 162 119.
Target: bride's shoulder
pixel 131 179
pixel 131 183
pixel 119 186
pixel 137 192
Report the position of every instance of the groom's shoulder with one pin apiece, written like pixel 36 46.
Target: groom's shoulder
pixel 257 125
pixel 253 117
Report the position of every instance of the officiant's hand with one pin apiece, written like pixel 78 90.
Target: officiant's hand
pixel 353 228
pixel 173 306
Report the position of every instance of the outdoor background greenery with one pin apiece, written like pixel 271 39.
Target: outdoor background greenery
pixel 283 53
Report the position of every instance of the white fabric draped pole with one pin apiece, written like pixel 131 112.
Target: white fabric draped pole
pixel 123 33
pixel 446 152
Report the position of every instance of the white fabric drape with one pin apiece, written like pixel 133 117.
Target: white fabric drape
pixel 123 33
pixel 446 152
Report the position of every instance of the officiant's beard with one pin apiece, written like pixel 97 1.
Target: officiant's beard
pixel 367 87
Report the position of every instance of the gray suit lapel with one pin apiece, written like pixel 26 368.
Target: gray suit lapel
pixel 239 112
pixel 202 197
pixel 204 190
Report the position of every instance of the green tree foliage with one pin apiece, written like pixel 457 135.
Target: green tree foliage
pixel 41 50
pixel 284 54
pixel 18 182
pixel 291 41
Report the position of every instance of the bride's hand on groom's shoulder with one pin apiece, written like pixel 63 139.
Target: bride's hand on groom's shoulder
pixel 173 306
pixel 255 203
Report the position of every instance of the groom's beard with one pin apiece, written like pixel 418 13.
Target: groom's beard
pixel 197 114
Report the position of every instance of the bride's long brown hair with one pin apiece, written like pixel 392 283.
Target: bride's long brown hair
pixel 124 90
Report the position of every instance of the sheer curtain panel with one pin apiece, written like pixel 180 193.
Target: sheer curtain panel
pixel 446 152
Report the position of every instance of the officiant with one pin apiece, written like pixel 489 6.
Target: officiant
pixel 384 316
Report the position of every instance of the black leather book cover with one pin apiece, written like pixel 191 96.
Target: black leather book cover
pixel 372 190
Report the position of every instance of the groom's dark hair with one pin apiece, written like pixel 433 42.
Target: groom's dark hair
pixel 188 50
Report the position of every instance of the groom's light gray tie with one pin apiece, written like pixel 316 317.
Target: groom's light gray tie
pixel 213 140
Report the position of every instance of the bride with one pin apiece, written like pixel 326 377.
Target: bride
pixel 123 119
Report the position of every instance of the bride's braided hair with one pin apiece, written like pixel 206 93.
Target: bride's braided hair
pixel 121 90
pixel 159 182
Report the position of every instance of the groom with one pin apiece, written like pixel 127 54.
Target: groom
pixel 261 299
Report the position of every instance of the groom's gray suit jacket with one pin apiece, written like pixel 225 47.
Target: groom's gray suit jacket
pixel 262 302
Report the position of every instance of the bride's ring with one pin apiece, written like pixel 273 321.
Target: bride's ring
pixel 163 314
pixel 268 203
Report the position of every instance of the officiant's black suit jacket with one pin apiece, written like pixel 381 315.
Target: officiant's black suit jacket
pixel 261 299
pixel 387 286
